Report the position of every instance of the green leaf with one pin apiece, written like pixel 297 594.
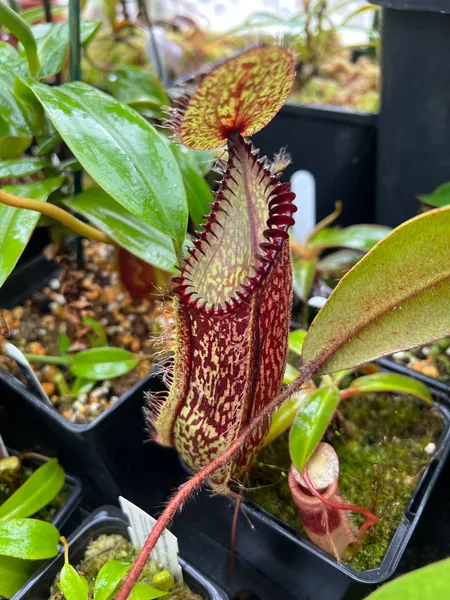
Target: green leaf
pixel 384 304
pixel 392 382
pixel 21 167
pixel 358 237
pixel 28 538
pixel 197 190
pixel 34 14
pixel 339 262
pixel 100 338
pixel 121 151
pixel 311 422
pixel 129 231
pixel 296 339
pixel 10 63
pixel 37 491
pixel 15 133
pixel 138 86
pixel 64 343
pixel 303 273
pixel 17 224
pixel 52 43
pixel 109 578
pixel 103 363
pixel 290 373
pixel 439 197
pixel 14 572
pixel 81 386
pixel 143 591
pixel 284 416
pixel 19 28
pixel 72 585
pixel 428 583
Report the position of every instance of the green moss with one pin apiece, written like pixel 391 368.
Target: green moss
pixel 380 441
pixel 116 547
pixel 9 484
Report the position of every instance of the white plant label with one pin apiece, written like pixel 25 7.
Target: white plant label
pixel 165 552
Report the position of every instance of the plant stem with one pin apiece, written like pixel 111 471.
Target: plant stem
pixel 49 360
pixel 199 478
pixel 56 213
pixel 19 28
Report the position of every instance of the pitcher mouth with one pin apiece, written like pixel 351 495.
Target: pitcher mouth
pixel 242 235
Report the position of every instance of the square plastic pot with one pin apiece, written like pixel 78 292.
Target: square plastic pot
pixel 72 486
pixel 337 146
pixel 276 527
pixel 105 520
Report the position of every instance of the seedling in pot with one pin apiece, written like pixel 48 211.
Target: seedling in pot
pixel 106 562
pixel 235 292
pixel 28 501
pixel 354 440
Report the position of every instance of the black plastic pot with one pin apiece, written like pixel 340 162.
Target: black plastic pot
pixel 106 520
pixel 414 120
pixel 87 450
pixel 404 531
pixel 337 146
pixel 72 486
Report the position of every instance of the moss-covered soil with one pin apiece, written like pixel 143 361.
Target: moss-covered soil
pixel 383 443
pixel 10 483
pixel 116 547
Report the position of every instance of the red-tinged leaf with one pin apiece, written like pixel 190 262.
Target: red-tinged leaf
pixel 232 318
pixel 139 278
pixel 396 297
pixel 238 97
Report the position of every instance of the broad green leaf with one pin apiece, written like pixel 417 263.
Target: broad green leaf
pixel 14 572
pixel 10 62
pixel 358 237
pixel 203 159
pixel 311 422
pixel 72 585
pixel 428 583
pixel 129 231
pixel 339 262
pixel 296 339
pixel 28 538
pixel 121 151
pixel 17 224
pixel 15 133
pixel 37 491
pixel 109 578
pixel 384 303
pixel 303 273
pixel 439 197
pixel 290 373
pixel 391 382
pixel 102 363
pixel 99 338
pixel 52 42
pixel 21 167
pixel 138 86
pixel 197 190
pixel 283 417
pixel 48 143
pixel 81 386
pixel 143 591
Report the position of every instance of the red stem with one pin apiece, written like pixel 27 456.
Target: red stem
pixel 371 518
pixel 199 478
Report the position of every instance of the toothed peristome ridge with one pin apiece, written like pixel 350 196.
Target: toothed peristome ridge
pixel 280 208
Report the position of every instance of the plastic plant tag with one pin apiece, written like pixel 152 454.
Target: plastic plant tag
pixel 141 524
